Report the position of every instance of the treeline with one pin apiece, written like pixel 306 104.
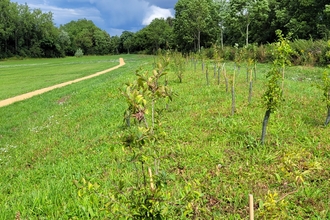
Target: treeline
pixel 202 23
pixel 197 24
pixel 27 32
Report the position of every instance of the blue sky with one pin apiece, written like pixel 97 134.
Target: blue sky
pixel 113 16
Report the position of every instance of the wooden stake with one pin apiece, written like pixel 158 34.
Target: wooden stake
pixel 151 180
pixel 251 207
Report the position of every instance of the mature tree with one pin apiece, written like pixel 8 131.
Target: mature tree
pixel 193 19
pixel 86 35
pixel 30 32
pixel 7 25
pixel 114 44
pixel 244 12
pixel 101 42
pixel 126 41
pixel 84 40
pixel 304 19
pixel 141 41
pixel 158 34
pixel 64 41
pixel 47 35
pixel 27 32
pixel 223 17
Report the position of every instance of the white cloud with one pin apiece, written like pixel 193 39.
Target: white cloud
pixel 114 31
pixel 65 15
pixel 156 12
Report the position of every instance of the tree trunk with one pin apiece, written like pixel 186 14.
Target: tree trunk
pixel 199 41
pixel 233 101
pixel 283 70
pixel 153 114
pixel 16 42
pixel 226 78
pixel 250 92
pixel 250 87
pixel 328 117
pixel 215 70
pixel 247 74
pixel 195 43
pixel 128 118
pixel 255 72
pixel 219 75
pixel 207 76
pixel 247 34
pixel 221 38
pixel 195 63
pixel 264 126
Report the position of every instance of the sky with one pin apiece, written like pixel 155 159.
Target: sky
pixel 113 16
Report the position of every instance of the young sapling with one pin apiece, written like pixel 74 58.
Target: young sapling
pixel 274 92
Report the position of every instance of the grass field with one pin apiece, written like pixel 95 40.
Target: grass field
pixel 61 154
pixel 21 76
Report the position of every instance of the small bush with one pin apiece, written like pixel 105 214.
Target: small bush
pixel 309 52
pixel 209 53
pixel 264 53
pixel 228 53
pixel 79 53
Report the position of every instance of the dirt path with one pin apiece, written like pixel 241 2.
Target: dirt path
pixel 40 91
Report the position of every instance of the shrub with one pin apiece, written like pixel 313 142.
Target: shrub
pixel 228 53
pixel 264 53
pixel 309 52
pixel 209 53
pixel 79 53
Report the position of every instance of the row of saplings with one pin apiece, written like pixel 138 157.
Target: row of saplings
pixel 147 199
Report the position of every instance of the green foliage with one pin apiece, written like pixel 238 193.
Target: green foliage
pixel 296 167
pixel 246 15
pixel 158 34
pixel 195 19
pixel 86 35
pixel 19 35
pixel 272 207
pixel 273 94
pixel 145 202
pixel 89 199
pixel 197 24
pixel 179 65
pixel 282 50
pixel 239 56
pixel 79 53
pixel 306 52
pixel 324 86
pixel 136 101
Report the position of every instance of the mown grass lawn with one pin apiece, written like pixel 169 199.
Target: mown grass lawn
pixel 62 157
pixel 21 76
